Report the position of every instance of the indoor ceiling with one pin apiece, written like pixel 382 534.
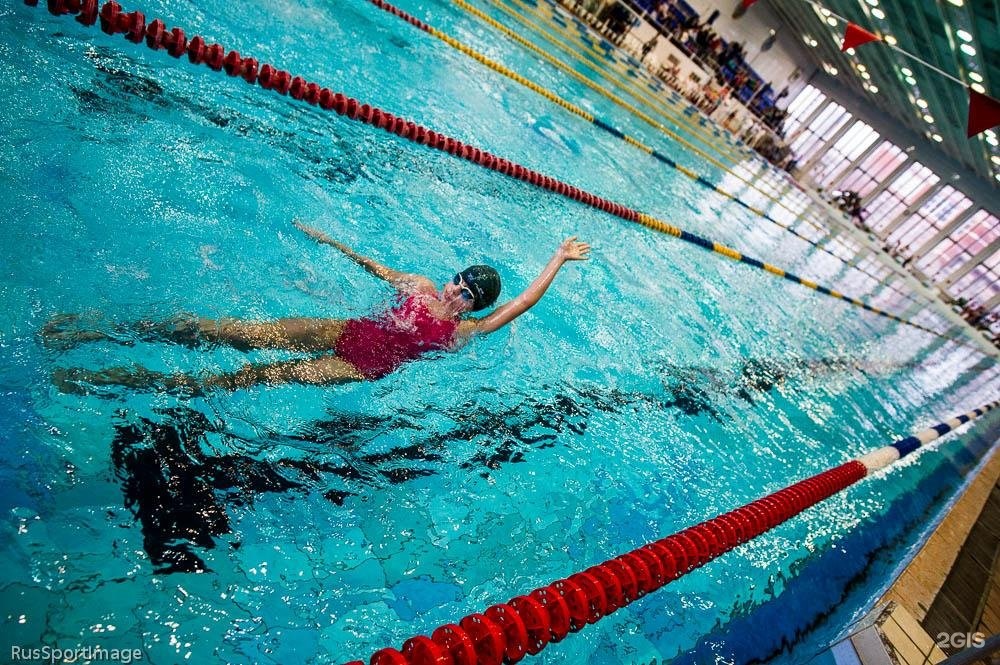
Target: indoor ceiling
pixel 960 37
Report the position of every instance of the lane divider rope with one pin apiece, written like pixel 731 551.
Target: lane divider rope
pixel 609 128
pixel 524 625
pixel 625 71
pixel 650 101
pixel 626 81
pixel 585 32
pixel 637 80
pixel 618 75
pixel 626 77
pixel 113 20
pixel 654 104
pixel 535 9
pixel 622 80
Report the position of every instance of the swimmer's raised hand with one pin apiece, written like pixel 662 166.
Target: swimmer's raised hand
pixel 569 249
pixel 572 250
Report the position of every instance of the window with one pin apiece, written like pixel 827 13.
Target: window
pixel 940 209
pixel 800 108
pixel 958 249
pixel 812 138
pixel 849 147
pixel 873 170
pixel 903 191
pixel 981 283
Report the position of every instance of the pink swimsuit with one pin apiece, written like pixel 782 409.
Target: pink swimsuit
pixel 378 345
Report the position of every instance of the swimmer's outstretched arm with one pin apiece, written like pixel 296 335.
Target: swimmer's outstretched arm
pixel 403 281
pixel 569 250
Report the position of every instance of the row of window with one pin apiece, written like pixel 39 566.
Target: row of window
pixel 928 222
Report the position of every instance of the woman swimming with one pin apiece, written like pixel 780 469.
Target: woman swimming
pixel 424 319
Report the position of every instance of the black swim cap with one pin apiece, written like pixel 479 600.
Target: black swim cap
pixel 484 282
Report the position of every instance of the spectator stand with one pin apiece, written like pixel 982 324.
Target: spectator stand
pixel 732 93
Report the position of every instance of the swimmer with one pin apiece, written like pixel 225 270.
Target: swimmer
pixel 424 319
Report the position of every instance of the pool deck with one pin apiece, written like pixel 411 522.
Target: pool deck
pixel 929 579
pixel 948 595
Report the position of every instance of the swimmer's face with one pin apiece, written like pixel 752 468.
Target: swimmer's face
pixel 457 294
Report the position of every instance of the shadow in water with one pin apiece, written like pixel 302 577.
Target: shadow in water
pixel 178 487
pixel 179 493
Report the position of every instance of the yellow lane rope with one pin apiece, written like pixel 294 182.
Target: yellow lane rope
pixel 572 51
pixel 576 110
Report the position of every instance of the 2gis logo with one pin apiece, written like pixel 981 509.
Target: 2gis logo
pixel 960 640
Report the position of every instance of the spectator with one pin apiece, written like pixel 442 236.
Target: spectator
pixel 649 46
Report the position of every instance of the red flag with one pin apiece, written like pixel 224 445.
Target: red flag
pixel 855 35
pixel 748 3
pixel 984 113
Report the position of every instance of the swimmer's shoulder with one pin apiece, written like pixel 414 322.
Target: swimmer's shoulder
pixel 413 284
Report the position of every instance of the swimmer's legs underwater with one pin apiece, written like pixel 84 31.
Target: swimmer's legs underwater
pixel 294 334
pixel 325 370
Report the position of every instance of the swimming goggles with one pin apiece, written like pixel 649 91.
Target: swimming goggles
pixel 466 291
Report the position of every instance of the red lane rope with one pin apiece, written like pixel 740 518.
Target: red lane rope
pixel 133 25
pixel 526 624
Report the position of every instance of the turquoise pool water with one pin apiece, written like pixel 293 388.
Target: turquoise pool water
pixel 651 388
